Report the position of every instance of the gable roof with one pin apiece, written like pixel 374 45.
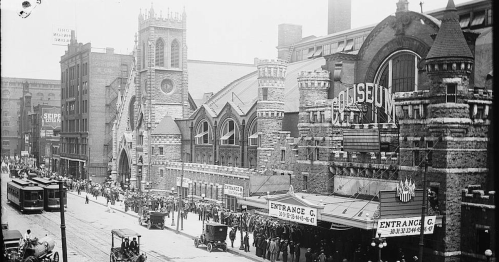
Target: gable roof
pixel 166 127
pixel 243 92
pixel 450 41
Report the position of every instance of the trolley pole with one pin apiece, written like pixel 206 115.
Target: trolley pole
pixel 423 211
pixel 63 225
pixel 179 217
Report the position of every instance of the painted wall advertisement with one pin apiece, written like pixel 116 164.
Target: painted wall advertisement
pixel 405 226
pixel 51 118
pixel 233 190
pixel 294 213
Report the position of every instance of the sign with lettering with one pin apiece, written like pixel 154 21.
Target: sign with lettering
pixel 405 226
pixel 294 213
pixel 379 98
pixel 233 190
pixel 185 182
pixel 51 117
pixel 61 36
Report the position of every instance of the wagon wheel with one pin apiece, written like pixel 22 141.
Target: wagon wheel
pixel 149 225
pixel 196 242
pixel 224 247
pixel 209 247
pixel 30 259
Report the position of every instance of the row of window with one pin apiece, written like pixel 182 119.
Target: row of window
pixel 159 54
pixel 75 125
pixel 229 134
pixel 327 49
pixel 476 19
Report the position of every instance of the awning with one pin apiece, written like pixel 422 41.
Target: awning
pixel 72 159
pixel 318 52
pixel 464 22
pixel 201 134
pixel 310 53
pixel 478 20
pixel 349 45
pixel 227 136
pixel 341 46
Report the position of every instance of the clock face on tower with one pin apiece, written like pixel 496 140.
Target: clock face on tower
pixel 167 86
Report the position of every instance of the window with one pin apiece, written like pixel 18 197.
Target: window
pixel 159 55
pixel 415 112
pixel 229 133
pixel 311 52
pixel 143 55
pixel 310 153
pixel 327 49
pixel 253 138
pixel 5 143
pixel 451 93
pixel 482 240
pixel 341 46
pixel 478 18
pixel 161 173
pixel 161 150
pixel 464 21
pixel 349 45
pixel 5 132
pixel 480 112
pixel 305 181
pixel 429 152
pixel 402 67
pixel 265 93
pixel 5 123
pixel 316 153
pixel 283 155
pixel 175 54
pixel 357 42
pixel 489 17
pixel 416 156
pixel 203 136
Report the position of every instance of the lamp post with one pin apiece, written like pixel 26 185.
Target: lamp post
pixel 173 207
pixel 202 216
pixel 488 254
pixel 381 243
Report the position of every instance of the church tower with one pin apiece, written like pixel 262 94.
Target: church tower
pixel 161 86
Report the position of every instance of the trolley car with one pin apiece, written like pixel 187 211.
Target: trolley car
pixel 51 193
pixel 25 194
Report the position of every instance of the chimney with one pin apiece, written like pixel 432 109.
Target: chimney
pixel 339 16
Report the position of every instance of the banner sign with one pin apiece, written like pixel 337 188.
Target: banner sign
pixel 51 117
pixel 61 36
pixel 405 226
pixel 299 214
pixel 24 154
pixel 185 182
pixel 233 190
pixel 381 99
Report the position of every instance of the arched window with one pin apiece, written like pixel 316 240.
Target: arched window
pixel 5 132
pixel 131 113
pixel 175 54
pixel 160 53
pixel 402 66
pixel 253 134
pixel 143 55
pixel 230 133
pixel 203 133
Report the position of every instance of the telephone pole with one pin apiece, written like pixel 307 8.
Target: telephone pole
pixel 423 211
pixel 180 208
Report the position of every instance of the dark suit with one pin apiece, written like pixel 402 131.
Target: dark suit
pixel 134 247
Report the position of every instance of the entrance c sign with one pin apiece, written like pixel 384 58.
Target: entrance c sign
pixel 294 213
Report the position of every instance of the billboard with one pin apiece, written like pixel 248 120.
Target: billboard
pixel 61 35
pixel 405 226
pixel 294 213
pixel 51 118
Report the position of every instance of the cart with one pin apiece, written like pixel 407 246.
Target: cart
pixel 117 254
pixel 152 218
pixel 214 236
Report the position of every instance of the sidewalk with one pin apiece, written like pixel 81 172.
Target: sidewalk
pixel 192 228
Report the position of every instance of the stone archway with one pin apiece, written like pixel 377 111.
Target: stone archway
pixel 124 169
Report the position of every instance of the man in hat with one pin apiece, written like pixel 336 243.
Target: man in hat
pixel 292 251
pixel 125 246
pixel 134 247
pixel 278 243
pixel 297 252
pixel 284 250
pixel 273 249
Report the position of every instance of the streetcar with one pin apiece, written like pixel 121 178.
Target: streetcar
pixel 25 194
pixel 51 193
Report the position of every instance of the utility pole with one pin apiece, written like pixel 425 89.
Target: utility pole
pixel 180 208
pixel 63 225
pixel 423 211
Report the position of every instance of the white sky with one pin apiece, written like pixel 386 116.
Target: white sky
pixel 217 30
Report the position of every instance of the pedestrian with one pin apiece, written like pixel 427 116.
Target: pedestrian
pixel 322 257
pixel 284 250
pixel 292 251
pixel 273 250
pixel 263 247
pixel 297 252
pixel 308 255
pixel 246 242
pixel 278 242
pixel 86 199
pixel 232 236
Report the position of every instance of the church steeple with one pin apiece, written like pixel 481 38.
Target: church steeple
pixel 450 51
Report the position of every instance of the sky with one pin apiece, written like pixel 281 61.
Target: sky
pixel 217 30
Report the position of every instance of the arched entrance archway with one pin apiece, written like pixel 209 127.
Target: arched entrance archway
pixel 123 168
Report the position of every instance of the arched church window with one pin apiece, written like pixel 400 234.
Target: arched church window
pixel 131 113
pixel 230 133
pixel 143 55
pixel 400 72
pixel 253 138
pixel 175 54
pixel 160 53
pixel 203 134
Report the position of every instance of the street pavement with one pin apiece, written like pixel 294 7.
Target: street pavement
pixel 88 232
pixel 192 227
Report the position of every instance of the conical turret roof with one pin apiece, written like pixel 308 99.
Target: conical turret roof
pixel 450 41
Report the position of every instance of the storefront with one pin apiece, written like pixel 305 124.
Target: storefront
pixel 184 189
pixel 232 193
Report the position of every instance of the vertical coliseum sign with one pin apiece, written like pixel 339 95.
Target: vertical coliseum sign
pixel 51 118
pixel 299 214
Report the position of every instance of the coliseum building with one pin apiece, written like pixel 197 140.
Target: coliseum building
pixel 334 132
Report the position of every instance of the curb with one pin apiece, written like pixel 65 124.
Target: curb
pixel 168 228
